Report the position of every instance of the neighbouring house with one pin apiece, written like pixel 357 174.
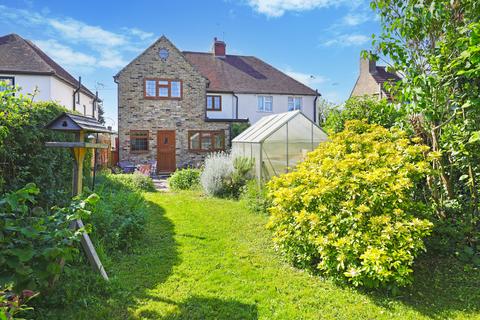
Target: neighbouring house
pixel 25 65
pixel 176 106
pixel 372 80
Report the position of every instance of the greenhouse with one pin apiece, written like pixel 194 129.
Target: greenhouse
pixel 278 142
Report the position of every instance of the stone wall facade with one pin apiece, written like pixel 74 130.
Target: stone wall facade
pixel 137 113
pixel 366 84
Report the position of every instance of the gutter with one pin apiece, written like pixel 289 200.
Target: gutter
pixel 236 104
pixel 94 106
pixel 315 107
pixel 77 90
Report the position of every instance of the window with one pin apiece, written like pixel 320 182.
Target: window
pixel 162 89
pixel 294 103
pixel 265 104
pixel 138 140
pixel 150 88
pixel 214 103
pixel 9 81
pixel 176 89
pixel 206 140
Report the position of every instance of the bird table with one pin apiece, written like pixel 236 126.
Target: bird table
pixel 80 126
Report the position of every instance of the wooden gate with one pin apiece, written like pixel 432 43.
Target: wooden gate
pixel 166 151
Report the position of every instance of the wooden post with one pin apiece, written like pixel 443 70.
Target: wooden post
pixel 79 157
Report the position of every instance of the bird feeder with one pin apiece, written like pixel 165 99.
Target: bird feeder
pixel 80 126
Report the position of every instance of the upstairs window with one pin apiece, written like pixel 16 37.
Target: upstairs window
pixel 138 141
pixel 163 89
pixel 214 103
pixel 295 103
pixel 6 83
pixel 203 141
pixel 265 103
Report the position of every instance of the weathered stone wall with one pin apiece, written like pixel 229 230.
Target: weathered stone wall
pixel 137 113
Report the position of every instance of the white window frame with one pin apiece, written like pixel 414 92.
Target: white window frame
pixel 294 100
pixel 262 103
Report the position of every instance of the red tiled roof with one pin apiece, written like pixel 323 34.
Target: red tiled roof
pixel 18 55
pixel 244 74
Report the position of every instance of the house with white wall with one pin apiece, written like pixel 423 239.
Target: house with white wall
pixel 25 65
pixel 175 107
pixel 245 87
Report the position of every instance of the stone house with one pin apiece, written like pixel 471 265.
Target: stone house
pixel 372 79
pixel 175 107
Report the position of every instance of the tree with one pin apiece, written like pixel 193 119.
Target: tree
pixel 434 45
pixel 366 108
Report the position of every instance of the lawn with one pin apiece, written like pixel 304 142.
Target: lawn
pixel 205 258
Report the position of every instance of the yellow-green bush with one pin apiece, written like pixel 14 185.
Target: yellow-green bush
pixel 349 211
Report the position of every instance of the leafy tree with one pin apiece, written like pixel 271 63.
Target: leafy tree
pixel 366 108
pixel 435 46
pixel 348 210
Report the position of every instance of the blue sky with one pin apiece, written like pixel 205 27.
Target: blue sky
pixel 316 41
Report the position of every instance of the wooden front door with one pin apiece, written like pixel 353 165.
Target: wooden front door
pixel 166 151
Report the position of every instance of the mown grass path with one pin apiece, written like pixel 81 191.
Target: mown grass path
pixel 205 258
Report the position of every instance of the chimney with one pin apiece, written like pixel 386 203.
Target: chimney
pixel 219 48
pixel 367 66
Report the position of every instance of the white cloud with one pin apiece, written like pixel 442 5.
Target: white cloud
pixel 77 44
pixel 347 40
pixel 354 19
pixel 143 35
pixel 77 31
pixel 65 54
pixel 277 8
pixel 308 79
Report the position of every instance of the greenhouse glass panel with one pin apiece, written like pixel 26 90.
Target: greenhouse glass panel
pixel 278 142
pixel 275 151
pixel 299 139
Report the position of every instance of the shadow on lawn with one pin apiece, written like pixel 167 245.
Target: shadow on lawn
pixel 441 287
pixel 196 307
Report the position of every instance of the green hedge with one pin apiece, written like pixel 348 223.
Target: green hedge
pixel 23 155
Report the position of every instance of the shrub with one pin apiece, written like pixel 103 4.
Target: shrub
pixel 223 175
pixel 348 210
pixel 366 108
pixel 255 197
pixel 12 305
pixel 184 179
pixel 33 241
pixel 119 219
pixel 132 182
pixel 23 155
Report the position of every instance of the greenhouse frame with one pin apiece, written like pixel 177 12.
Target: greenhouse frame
pixel 278 142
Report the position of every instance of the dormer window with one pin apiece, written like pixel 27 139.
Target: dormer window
pixel 163 89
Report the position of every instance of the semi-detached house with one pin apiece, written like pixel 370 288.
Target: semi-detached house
pixel 26 66
pixel 176 106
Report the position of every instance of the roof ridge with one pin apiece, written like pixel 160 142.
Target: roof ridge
pixel 211 54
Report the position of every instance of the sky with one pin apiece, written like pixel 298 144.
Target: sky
pixel 317 42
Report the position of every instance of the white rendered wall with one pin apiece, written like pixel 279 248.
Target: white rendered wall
pixel 228 107
pixel 28 84
pixel 247 106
